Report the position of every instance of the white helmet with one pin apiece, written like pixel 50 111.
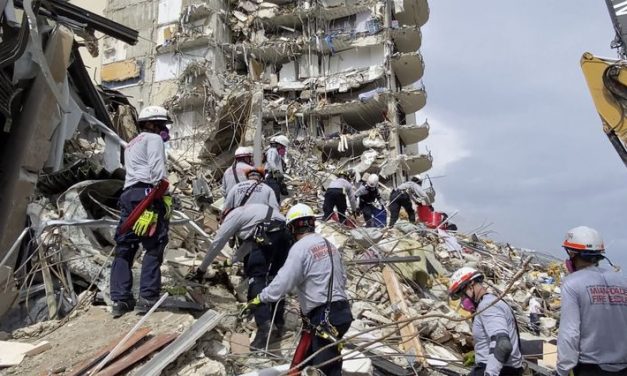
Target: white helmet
pixel 154 113
pixel 417 179
pixel 461 278
pixel 584 239
pixel 243 152
pixel 299 211
pixel 373 180
pixel 281 140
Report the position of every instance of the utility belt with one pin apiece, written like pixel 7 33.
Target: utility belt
pixel 318 320
pixel 140 185
pixel 479 369
pixel 595 369
pixel 336 190
pixel 263 232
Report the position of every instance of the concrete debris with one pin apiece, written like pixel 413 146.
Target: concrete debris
pixel 323 73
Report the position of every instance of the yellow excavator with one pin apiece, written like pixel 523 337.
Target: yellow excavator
pixel 607 81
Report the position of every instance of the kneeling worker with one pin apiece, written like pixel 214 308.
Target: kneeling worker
pixel 593 312
pixel 494 330
pixel 264 243
pixel 404 196
pixel 314 267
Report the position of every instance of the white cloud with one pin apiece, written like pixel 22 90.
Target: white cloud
pixel 446 143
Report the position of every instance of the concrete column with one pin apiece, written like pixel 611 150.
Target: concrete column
pixel 395 145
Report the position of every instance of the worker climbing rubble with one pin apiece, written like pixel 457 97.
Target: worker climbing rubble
pixel 145 170
pixel 336 194
pixel 314 267
pixel 263 245
pixel 368 194
pixel 236 173
pixel 593 314
pixel 405 195
pixel 494 328
pixel 275 165
pixel 252 191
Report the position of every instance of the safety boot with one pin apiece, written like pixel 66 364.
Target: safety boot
pixel 144 305
pixel 261 338
pixel 121 307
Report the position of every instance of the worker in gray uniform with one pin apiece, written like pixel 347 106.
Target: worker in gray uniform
pixel 494 328
pixel 263 245
pixel 404 196
pixel 251 191
pixel 275 165
pixel 236 173
pixel 593 316
pixel 145 164
pixel 314 267
pixel 335 197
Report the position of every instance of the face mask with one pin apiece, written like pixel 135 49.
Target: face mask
pixel 281 151
pixel 570 265
pixel 468 304
pixel 165 135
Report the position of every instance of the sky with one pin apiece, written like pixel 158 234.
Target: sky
pixel 514 132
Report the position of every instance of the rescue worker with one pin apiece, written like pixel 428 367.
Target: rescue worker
pixel 251 191
pixel 404 196
pixel 593 313
pixel 494 329
pixel 367 195
pixel 335 197
pixel 275 165
pixel 145 163
pixel 314 267
pixel 236 173
pixel 264 243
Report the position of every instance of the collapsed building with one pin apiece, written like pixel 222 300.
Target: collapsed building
pixel 342 79
pixel 339 78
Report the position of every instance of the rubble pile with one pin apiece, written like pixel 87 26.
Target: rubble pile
pixel 65 144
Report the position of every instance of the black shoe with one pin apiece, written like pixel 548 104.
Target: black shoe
pixel 261 338
pixel 144 305
pixel 119 308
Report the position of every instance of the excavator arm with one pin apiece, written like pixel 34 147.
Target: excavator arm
pixel 607 82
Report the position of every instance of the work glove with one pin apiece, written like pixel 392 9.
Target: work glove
pixel 144 224
pixel 253 303
pixel 167 202
pixel 196 275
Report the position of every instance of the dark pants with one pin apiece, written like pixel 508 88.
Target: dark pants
pixel 127 245
pixel 367 209
pixel 594 370
pixel 261 265
pixel 398 200
pixel 479 370
pixel 334 198
pixel 340 317
pixel 275 185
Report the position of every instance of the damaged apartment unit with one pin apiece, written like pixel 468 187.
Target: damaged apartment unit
pixel 340 78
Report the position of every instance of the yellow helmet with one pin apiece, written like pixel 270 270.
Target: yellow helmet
pixel 299 211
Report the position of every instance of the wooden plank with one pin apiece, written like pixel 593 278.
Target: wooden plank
pixel 410 341
pixel 12 353
pixel 89 363
pixel 138 354
pixel 183 343
pixel 38 348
